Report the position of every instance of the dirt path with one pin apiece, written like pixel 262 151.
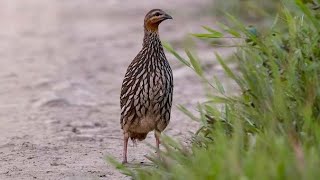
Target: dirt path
pixel 62 64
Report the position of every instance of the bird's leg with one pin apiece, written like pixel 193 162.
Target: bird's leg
pixel 134 141
pixel 125 146
pixel 157 135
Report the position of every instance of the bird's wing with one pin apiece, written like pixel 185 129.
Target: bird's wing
pixel 129 87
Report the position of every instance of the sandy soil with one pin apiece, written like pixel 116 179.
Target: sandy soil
pixel 62 64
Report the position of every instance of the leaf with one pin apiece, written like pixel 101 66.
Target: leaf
pixel 275 22
pixel 219 100
pixel 187 112
pixel 173 52
pixel 211 110
pixel 119 166
pixel 229 30
pixel 195 64
pixel 218 84
pixel 229 72
pixel 236 21
pixel 212 35
pixel 291 23
pixel 213 31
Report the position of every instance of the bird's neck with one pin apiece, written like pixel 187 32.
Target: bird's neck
pixel 151 38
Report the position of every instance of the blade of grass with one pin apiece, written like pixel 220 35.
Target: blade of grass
pixel 195 63
pixel 169 48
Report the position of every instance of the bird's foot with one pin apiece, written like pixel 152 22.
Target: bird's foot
pixel 134 142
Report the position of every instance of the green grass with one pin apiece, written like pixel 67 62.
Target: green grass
pixel 271 129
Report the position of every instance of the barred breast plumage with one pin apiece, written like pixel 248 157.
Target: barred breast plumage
pixel 147 88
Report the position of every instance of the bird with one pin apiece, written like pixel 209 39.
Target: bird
pixel 147 88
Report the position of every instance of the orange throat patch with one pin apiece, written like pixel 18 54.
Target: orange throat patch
pixel 151 26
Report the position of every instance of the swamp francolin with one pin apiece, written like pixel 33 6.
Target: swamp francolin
pixel 147 88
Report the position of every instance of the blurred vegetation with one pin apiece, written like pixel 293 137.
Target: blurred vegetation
pixel 270 129
pixel 259 12
pixel 253 10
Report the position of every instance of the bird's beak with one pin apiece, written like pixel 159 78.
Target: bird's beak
pixel 167 16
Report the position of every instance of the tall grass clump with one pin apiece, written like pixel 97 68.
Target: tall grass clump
pixel 271 128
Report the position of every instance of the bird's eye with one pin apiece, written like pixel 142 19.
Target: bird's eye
pixel 157 14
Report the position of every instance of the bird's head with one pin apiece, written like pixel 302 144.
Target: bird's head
pixel 154 18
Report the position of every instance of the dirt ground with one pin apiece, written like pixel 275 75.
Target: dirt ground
pixel 61 68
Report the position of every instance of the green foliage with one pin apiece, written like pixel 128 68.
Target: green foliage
pixel 212 34
pixel 247 9
pixel 270 130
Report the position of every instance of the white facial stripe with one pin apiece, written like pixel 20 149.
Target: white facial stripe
pixel 155 12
